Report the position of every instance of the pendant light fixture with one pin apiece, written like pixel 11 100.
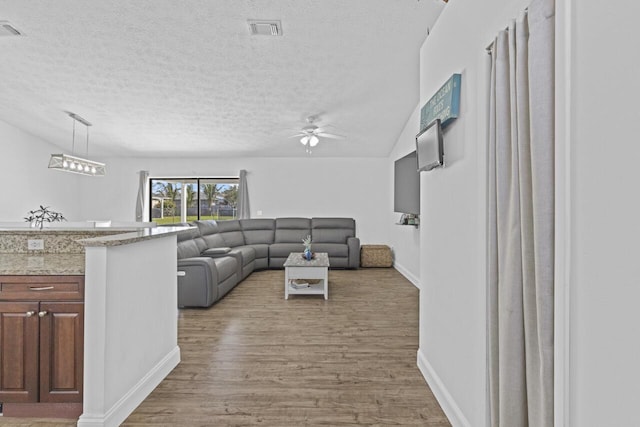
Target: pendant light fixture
pixel 73 164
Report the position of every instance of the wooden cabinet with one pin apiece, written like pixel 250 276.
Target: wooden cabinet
pixel 41 339
pixel 20 356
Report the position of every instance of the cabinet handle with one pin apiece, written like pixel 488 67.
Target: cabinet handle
pixel 30 313
pixel 41 288
pixel 43 313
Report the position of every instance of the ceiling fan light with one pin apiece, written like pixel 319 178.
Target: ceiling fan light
pixel 304 140
pixel 313 140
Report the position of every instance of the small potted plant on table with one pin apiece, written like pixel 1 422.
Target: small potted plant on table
pixel 307 248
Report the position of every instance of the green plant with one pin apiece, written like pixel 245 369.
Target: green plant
pixel 307 242
pixel 169 208
pixel 39 216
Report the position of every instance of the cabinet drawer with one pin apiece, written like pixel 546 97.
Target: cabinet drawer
pixel 51 288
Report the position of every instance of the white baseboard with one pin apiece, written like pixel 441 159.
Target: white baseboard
pixel 444 398
pixel 406 273
pixel 115 415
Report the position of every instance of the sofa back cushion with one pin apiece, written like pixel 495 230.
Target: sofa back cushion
pixel 231 233
pixel 292 230
pixel 332 230
pixel 210 234
pixel 190 244
pixel 188 249
pixel 258 231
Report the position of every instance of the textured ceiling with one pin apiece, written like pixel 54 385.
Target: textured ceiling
pixel 184 78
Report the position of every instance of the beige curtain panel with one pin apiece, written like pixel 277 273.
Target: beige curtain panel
pixel 521 218
pixel 143 182
pixel 244 210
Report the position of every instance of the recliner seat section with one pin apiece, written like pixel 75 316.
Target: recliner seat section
pixel 232 237
pixel 202 280
pixel 288 238
pixel 216 256
pixel 220 235
pixel 259 234
pixel 337 237
pixel 231 233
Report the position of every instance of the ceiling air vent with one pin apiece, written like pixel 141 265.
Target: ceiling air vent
pixel 6 29
pixel 265 28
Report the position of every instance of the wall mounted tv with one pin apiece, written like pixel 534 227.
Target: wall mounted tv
pixel 406 188
pixel 429 147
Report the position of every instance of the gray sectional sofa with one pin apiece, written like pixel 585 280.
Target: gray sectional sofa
pixel 213 257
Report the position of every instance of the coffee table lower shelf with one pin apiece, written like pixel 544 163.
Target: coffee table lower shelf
pixel 312 289
pixel 297 270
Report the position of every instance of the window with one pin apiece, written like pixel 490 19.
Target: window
pixel 204 198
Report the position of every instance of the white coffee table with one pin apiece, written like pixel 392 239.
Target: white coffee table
pixel 297 269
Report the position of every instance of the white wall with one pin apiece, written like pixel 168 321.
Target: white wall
pixel 452 353
pixel 309 186
pixel 26 180
pixel 605 216
pixel 405 240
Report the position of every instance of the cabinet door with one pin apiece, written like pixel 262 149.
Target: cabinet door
pixel 18 352
pixel 61 351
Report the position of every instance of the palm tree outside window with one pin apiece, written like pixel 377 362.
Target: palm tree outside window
pixel 179 200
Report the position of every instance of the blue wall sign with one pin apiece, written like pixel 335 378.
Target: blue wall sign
pixel 444 105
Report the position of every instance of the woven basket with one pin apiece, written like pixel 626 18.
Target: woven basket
pixel 375 256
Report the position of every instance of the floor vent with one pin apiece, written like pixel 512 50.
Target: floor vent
pixel 265 28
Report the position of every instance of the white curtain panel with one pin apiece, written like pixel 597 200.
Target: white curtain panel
pixel 142 192
pixel 521 228
pixel 244 212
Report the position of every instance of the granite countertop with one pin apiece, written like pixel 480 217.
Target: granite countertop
pixel 295 259
pixel 44 264
pixel 133 237
pixel 71 263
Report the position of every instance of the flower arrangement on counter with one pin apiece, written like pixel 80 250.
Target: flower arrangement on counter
pixel 38 217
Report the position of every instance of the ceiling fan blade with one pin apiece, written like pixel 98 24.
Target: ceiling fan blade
pixel 330 135
pixel 297 135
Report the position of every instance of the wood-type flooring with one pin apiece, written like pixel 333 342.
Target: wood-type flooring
pixel 256 359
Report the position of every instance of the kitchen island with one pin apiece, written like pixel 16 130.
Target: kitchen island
pixel 130 311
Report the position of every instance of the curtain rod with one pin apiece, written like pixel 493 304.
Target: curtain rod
pixel 488 48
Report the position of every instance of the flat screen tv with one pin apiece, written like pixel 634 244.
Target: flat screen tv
pixel 406 185
pixel 429 147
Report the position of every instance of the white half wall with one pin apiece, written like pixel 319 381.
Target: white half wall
pixel 26 180
pixel 453 212
pixel 131 326
pixel 279 187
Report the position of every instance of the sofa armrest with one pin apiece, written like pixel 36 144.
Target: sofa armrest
pixel 197 282
pixel 353 244
pixel 216 252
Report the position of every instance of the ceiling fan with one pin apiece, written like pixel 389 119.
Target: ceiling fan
pixel 311 133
